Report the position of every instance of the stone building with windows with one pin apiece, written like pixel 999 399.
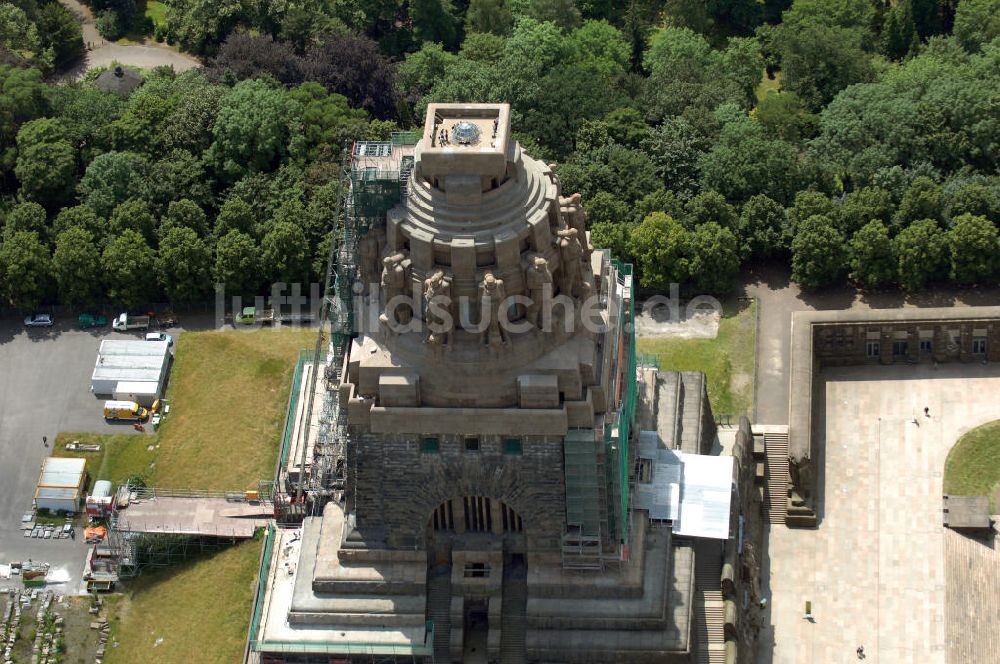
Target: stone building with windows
pixel 876 336
pixel 515 485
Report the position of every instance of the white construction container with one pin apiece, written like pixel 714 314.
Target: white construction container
pixel 130 361
pixel 143 393
pixel 60 484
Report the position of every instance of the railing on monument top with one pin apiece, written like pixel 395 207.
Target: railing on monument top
pixel 405 137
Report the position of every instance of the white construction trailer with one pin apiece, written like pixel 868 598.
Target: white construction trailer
pixel 131 370
pixel 60 484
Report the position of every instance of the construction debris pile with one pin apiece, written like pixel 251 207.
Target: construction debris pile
pixel 49 642
pixel 39 627
pixel 11 621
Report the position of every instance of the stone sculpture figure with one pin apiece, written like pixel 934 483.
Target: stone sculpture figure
pixel 538 280
pixel 491 296
pixel 550 172
pixel 394 288
pixel 576 217
pixel 437 301
pixel 800 472
pixel 571 255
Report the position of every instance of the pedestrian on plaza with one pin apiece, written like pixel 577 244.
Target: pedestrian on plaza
pixel 916 421
pixel 927 411
pixel 45 441
pixel 861 652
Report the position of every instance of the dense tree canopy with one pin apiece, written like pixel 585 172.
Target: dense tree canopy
pixel 25 269
pixel 76 267
pixel 46 162
pixel 129 265
pixel 237 263
pixel 872 260
pixel 974 246
pixel 921 254
pixel 660 246
pixel 871 152
pixel 818 252
pixel 27 216
pixel 184 265
pixel 253 130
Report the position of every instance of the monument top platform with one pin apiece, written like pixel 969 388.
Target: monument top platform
pixel 465 140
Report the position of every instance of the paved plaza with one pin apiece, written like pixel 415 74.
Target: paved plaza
pixel 874 570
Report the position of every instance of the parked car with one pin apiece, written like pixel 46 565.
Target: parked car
pixel 91 320
pixel 160 336
pixel 38 320
pixel 125 322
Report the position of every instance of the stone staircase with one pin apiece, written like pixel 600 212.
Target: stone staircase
pixel 439 609
pixel 776 448
pixel 404 181
pixel 512 615
pixel 709 611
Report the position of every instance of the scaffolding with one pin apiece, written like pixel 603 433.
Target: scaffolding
pixel 598 462
pixel 373 179
pixel 618 436
pixel 582 544
pixel 132 547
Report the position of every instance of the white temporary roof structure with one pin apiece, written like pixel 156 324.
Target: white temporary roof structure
pixel 129 361
pixel 691 491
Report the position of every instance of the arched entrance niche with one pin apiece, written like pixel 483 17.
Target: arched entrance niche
pixel 475 514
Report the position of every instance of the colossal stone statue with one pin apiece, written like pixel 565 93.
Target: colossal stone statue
pixel 491 297
pixel 571 255
pixel 575 217
pixel 393 285
pixel 538 280
pixel 437 305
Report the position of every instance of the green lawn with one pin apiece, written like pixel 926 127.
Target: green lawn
pixel 973 465
pixel 148 15
pixel 121 455
pixel 727 360
pixel 227 392
pixel 156 12
pixel 201 610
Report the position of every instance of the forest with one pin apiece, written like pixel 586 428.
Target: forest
pixel 853 140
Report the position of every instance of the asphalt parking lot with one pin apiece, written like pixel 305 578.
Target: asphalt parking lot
pixel 44 389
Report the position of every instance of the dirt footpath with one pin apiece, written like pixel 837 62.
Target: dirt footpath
pixel 101 53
